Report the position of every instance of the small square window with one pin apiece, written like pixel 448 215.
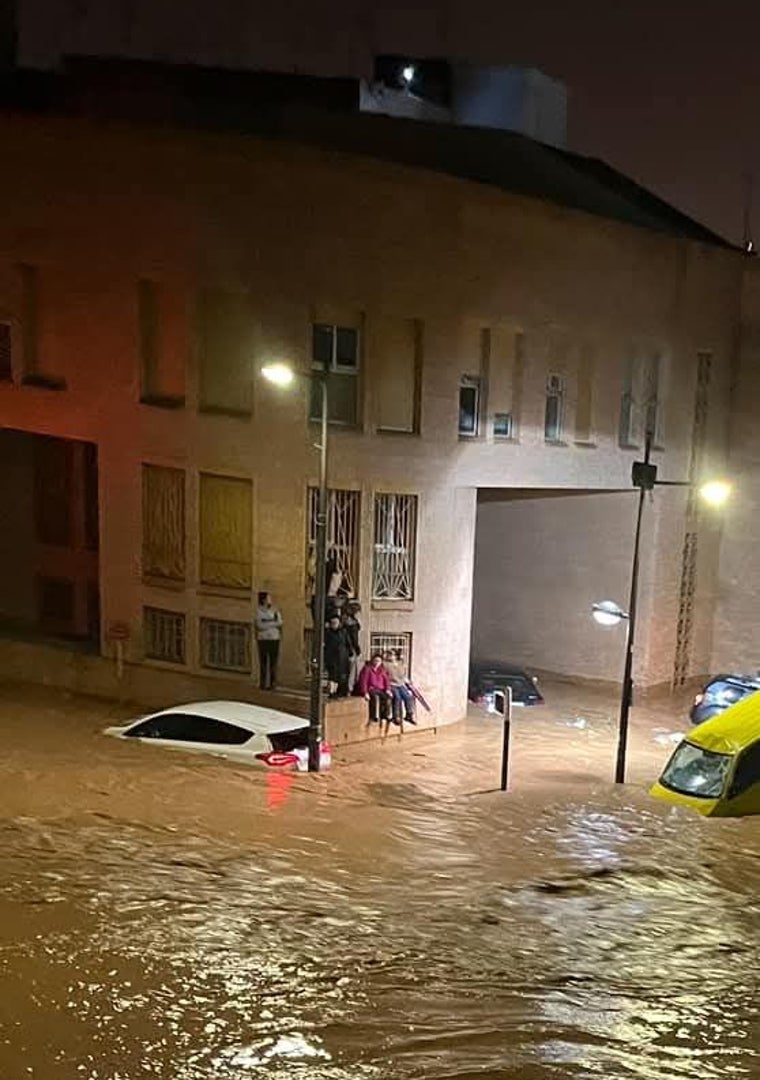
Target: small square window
pixel 225 645
pixel 502 425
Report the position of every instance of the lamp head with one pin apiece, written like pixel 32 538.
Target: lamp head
pixel 608 613
pixel 715 492
pixel 278 374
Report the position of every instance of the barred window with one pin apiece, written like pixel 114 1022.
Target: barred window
pixel 394 547
pixel 380 642
pixel 343 508
pixel 225 645
pixel 164 635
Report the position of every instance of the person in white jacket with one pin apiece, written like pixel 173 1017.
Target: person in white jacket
pixel 268 625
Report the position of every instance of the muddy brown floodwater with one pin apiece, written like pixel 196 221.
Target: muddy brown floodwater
pixel 170 916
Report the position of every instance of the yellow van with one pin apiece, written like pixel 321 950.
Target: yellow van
pixel 716 769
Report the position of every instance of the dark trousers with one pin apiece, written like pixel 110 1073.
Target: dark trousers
pixel 268 654
pixel 378 706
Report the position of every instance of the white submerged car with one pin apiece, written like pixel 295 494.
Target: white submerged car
pixel 247 734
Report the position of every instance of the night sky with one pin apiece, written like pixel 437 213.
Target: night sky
pixel 669 93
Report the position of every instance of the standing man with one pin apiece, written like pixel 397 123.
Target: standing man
pixel 337 657
pixel 268 624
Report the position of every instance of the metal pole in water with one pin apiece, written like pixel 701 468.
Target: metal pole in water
pixel 506 735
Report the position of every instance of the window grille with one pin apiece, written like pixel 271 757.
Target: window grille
pixel 343 508
pixel 380 642
pixel 469 406
pixel 225 645
pixel 394 547
pixel 164 635
pixel 6 368
pixel 555 399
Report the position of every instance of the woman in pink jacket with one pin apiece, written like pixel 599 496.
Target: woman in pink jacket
pixel 375 687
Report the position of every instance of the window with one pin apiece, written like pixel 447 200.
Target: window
pixel 53 490
pixel 226 531
pixel 640 411
pixel 395 539
pixel 747 772
pixel 335 351
pixel 343 508
pixel 148 330
pixel 553 413
pixel 502 425
pixel 469 406
pixel 188 727
pixel 164 635
pixel 6 367
pixel 694 771
pixel 226 335
pixel 163 549
pixel 225 645
pixel 397 358
pixel 55 602
pixel 284 742
pixel 380 642
pixel 584 404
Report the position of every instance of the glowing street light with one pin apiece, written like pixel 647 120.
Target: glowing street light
pixel 408 73
pixel 282 376
pixel 278 374
pixel 715 492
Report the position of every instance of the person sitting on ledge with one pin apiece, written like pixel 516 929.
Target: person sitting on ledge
pixel 375 687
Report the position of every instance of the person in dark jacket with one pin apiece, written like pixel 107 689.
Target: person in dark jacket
pixel 337 656
pixel 352 626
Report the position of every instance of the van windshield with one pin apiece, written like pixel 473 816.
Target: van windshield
pixel 694 771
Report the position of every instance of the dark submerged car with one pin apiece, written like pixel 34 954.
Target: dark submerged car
pixel 721 692
pixel 488 676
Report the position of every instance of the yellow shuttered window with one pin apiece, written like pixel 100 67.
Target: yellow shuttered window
pixel 225 531
pixel 163 522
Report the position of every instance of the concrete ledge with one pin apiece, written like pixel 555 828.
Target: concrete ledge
pixel 346 723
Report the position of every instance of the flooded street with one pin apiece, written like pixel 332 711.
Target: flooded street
pixel 165 915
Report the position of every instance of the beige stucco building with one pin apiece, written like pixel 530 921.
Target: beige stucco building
pixel 502 332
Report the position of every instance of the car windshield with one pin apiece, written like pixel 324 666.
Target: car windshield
pixel 694 771
pixel 726 693
pixel 521 685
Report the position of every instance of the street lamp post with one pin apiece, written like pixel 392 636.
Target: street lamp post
pixel 282 375
pixel 607 613
pixel 316 705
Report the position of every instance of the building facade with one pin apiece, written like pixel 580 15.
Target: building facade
pixel 475 340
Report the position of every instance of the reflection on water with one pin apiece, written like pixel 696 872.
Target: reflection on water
pixel 564 942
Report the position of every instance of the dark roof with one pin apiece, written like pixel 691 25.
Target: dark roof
pixel 325 113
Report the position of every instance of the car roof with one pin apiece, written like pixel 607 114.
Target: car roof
pixel 732 730
pixel 742 680
pixel 497 665
pixel 255 718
